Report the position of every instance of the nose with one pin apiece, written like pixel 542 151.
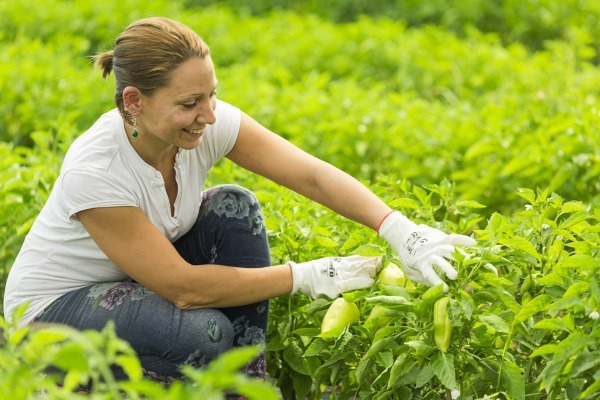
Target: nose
pixel 207 113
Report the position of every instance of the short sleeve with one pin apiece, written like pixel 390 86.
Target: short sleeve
pixel 83 189
pixel 228 122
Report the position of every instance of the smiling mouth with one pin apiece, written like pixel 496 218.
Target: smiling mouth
pixel 196 132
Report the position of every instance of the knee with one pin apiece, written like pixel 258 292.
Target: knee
pixel 235 203
pixel 208 334
pixel 230 200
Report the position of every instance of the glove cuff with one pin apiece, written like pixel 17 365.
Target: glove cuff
pixel 386 228
pixel 383 219
pixel 296 276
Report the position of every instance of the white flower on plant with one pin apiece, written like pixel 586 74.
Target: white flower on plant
pixel 545 226
pixel 455 393
pixel 594 315
pixel 528 207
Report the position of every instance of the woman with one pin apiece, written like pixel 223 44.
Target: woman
pixel 128 235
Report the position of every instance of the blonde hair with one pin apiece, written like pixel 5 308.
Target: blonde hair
pixel 146 53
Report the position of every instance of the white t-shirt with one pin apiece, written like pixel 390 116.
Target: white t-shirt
pixel 101 169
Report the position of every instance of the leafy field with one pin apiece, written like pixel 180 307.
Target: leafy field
pixel 483 123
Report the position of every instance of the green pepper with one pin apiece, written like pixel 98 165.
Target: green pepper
pixel 442 327
pixel 340 314
pixel 380 316
pixel 392 275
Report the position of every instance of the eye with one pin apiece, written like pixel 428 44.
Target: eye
pixel 214 94
pixel 189 105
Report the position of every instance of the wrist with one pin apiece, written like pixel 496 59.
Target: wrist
pixel 383 219
pixel 396 223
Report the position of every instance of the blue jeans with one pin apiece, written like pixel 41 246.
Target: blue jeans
pixel 230 230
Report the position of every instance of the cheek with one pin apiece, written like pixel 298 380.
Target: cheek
pixel 179 119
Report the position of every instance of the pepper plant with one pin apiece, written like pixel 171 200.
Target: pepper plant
pixel 522 317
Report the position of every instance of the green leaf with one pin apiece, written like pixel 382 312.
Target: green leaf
pixel 234 359
pixel 421 195
pixel 302 384
pixel 443 368
pixel 495 280
pixel 369 250
pixel 71 357
pixel 551 374
pixel 131 366
pixel 404 203
pixel 428 298
pixel 361 369
pixel 594 388
pixel 552 279
pixel 379 346
pixel 324 241
pixel 507 299
pixel 527 194
pixel 551 324
pixel 576 261
pixel 572 345
pixel 340 344
pixel 469 204
pixel 333 333
pixel 424 376
pixel 584 362
pixel 254 389
pixel 355 239
pixel 574 219
pixel 543 350
pixel 399 368
pixel 316 346
pixel 512 380
pixel 293 357
pixel 522 244
pixel 316 305
pixel 533 307
pixel 310 332
pixel 495 323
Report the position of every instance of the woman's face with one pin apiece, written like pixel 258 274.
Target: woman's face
pixel 178 113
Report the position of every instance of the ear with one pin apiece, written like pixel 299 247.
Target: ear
pixel 131 100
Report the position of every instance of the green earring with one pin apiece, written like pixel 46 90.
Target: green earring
pixel 135 132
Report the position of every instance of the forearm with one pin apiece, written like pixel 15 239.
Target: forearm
pixel 346 196
pixel 215 286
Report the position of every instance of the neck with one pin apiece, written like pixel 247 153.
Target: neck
pixel 155 153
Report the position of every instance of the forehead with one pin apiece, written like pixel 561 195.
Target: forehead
pixel 196 76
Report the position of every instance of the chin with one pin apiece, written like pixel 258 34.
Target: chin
pixel 190 145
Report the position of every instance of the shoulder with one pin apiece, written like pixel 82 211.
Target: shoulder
pixel 97 146
pixel 221 136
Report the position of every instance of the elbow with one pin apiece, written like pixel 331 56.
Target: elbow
pixel 192 300
pixel 192 290
pixel 183 305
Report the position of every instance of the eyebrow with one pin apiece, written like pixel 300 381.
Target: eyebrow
pixel 194 95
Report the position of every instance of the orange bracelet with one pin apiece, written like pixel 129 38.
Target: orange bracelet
pixel 381 223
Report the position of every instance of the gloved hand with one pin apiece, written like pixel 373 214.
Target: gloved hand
pixel 331 276
pixel 420 247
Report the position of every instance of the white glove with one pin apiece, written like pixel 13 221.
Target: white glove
pixel 420 247
pixel 331 276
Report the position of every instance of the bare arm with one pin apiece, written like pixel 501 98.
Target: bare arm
pixel 265 153
pixel 134 244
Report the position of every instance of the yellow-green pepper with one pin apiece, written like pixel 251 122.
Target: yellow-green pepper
pixel 442 327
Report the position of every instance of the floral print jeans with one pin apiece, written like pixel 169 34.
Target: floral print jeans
pixel 230 230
